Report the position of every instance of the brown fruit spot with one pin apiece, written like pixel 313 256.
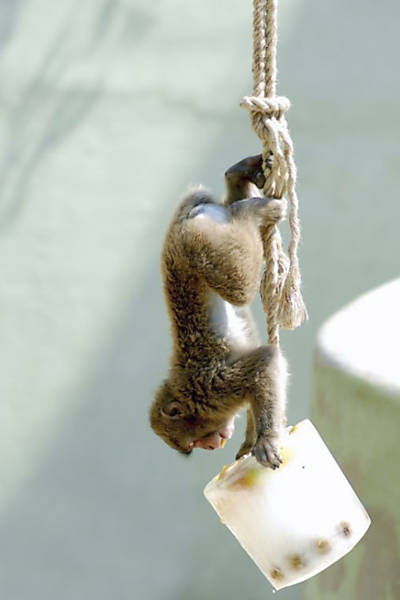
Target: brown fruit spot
pixel 345 529
pixel 296 561
pixel 276 574
pixel 323 546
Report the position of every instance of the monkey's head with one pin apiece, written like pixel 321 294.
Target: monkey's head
pixel 180 424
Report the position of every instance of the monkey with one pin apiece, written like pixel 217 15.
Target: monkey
pixel 211 266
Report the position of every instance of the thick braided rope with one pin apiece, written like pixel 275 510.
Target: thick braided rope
pixel 280 285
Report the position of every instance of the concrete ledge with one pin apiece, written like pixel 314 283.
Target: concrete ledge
pixel 356 408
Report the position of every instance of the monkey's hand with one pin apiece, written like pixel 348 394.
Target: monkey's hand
pixel 245 448
pixel 266 451
pixel 273 212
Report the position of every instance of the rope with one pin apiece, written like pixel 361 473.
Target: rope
pixel 281 281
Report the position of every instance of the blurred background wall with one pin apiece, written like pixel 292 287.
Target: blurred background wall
pixel 109 109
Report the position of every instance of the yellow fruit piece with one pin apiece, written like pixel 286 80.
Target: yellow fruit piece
pixel 223 471
pixel 223 442
pixel 286 454
pixel 249 479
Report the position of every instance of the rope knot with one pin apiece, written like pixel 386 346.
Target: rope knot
pixel 271 108
pixel 280 287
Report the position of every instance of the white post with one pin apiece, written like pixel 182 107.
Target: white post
pixel 356 407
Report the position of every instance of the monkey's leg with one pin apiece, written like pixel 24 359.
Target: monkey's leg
pixel 251 435
pixel 227 256
pixel 244 177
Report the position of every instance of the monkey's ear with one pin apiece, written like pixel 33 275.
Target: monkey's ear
pixel 173 410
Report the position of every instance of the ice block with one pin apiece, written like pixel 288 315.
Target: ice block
pixel 294 521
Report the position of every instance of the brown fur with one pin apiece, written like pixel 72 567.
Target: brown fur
pixel 213 370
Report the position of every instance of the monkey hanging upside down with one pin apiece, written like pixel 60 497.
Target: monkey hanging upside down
pixel 211 264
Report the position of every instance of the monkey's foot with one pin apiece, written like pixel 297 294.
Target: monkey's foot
pixel 266 451
pixel 253 169
pixel 250 168
pixel 274 211
pixel 258 175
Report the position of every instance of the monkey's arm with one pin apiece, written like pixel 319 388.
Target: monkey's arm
pixel 251 435
pixel 263 373
pixel 259 378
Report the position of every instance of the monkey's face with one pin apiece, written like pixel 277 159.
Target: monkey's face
pixel 183 434
pixel 214 439
pixel 182 429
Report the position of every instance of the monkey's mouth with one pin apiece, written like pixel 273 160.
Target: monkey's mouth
pixel 216 439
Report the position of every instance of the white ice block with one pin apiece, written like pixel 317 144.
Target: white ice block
pixel 294 521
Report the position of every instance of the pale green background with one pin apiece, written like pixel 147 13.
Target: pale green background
pixel 109 109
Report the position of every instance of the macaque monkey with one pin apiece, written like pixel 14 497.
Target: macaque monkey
pixel 211 266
